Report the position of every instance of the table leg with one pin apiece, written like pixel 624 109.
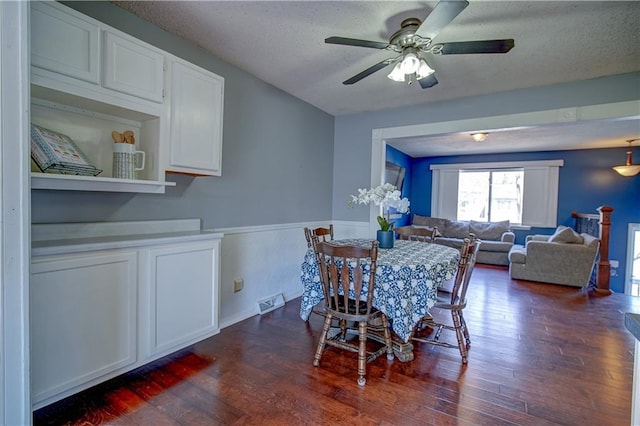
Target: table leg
pixel 402 350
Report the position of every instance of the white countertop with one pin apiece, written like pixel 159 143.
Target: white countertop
pixel 52 239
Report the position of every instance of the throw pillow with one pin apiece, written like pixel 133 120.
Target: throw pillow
pixel 566 235
pixel 455 229
pixel 430 222
pixel 491 231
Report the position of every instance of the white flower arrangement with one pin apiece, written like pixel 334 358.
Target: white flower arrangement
pixel 387 196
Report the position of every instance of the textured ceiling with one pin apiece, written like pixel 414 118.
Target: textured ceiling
pixel 282 43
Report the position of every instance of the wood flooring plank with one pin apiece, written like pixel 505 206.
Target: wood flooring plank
pixel 540 355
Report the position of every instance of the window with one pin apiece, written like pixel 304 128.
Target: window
pixel 526 192
pixel 490 195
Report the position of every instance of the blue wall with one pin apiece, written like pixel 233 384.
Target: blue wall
pixel 586 182
pixel 353 133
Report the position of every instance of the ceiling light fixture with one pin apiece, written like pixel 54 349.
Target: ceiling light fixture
pixel 479 137
pixel 410 62
pixel 396 74
pixel 629 169
pixel 424 70
pixel 411 68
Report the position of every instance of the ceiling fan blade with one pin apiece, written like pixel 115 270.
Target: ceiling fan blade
pixel 466 47
pixel 356 42
pixel 440 17
pixel 368 71
pixel 428 81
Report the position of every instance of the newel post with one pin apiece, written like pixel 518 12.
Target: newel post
pixel 604 267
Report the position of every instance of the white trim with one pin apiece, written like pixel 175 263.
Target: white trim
pixel 498 165
pixel 534 118
pixel 560 115
pixel 268 259
pixel 15 214
pixel 628 277
pixel 378 159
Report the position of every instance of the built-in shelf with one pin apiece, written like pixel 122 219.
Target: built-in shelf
pixel 91 183
pixel 108 83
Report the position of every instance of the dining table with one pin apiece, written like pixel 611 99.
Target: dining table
pixel 407 278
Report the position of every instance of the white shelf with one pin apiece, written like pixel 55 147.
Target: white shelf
pixel 91 183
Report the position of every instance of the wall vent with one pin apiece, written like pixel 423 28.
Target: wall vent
pixel 270 303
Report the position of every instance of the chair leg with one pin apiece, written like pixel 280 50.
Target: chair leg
pixel 387 338
pixel 457 323
pixel 323 339
pixel 465 330
pixel 362 353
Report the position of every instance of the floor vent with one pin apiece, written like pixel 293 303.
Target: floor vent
pixel 270 303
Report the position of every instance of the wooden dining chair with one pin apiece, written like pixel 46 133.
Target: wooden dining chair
pixel 454 301
pixel 416 234
pixel 323 234
pixel 346 273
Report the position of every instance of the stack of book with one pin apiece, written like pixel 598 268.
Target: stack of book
pixel 54 152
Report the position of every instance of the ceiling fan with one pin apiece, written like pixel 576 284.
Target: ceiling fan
pixel 415 38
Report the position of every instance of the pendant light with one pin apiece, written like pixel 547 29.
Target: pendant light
pixel 629 169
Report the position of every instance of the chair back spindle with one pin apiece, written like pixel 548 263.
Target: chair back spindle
pixel 323 234
pixel 342 275
pixel 413 233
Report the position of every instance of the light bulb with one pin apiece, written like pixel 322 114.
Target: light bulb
pixel 396 74
pixel 410 63
pixel 479 137
pixel 424 70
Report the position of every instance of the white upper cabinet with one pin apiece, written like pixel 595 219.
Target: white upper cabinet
pixel 89 79
pixel 64 43
pixel 196 111
pixel 132 68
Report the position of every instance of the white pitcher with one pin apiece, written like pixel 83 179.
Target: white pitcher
pixel 127 161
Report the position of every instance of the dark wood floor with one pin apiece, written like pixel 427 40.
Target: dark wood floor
pixel 540 354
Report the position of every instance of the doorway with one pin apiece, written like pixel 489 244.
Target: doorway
pixel 632 276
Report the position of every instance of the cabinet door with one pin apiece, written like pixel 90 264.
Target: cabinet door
pixel 132 68
pixel 83 320
pixel 184 295
pixel 64 43
pixel 197 99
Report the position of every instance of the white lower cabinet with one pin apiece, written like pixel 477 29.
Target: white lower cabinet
pixel 83 320
pixel 98 314
pixel 184 304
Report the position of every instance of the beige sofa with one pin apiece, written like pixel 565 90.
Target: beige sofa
pixel 549 259
pixel 496 237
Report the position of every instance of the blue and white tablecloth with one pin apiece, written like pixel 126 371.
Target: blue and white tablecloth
pixel 407 278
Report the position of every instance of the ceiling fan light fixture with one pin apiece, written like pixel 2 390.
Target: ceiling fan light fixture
pixel 396 74
pixel 424 70
pixel 629 169
pixel 479 137
pixel 410 63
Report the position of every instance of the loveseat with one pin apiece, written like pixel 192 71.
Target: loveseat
pixel 497 238
pixel 565 257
